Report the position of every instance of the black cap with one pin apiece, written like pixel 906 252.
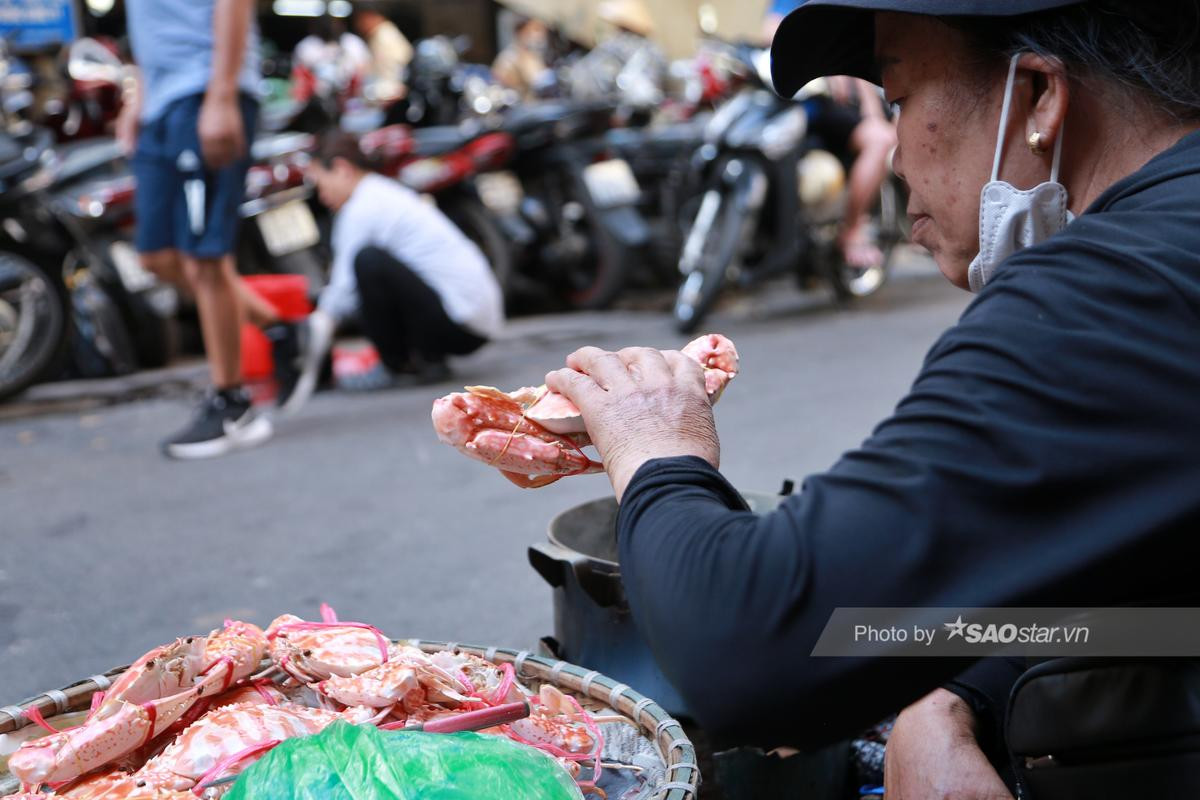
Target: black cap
pixel 837 37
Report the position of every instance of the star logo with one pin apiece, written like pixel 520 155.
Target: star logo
pixel 957 628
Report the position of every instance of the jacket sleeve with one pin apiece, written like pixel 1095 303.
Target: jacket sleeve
pixel 1031 462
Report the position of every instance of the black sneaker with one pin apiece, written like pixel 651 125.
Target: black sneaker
pixel 223 423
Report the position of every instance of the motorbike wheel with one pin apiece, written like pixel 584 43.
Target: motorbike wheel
pixel 592 279
pixel 473 219
pixel 33 323
pixel 891 228
pixel 714 236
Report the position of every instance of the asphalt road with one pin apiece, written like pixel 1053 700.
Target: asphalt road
pixel 107 549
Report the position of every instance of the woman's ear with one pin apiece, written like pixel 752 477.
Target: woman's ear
pixel 1049 100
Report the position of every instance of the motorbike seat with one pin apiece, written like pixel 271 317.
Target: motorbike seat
pixel 440 140
pixel 524 119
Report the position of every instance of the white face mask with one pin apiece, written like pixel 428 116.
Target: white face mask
pixel 1011 219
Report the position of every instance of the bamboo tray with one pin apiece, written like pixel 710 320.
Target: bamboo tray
pixel 597 692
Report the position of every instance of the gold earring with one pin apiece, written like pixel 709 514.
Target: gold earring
pixel 1035 143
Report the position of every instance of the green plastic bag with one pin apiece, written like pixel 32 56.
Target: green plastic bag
pixel 361 762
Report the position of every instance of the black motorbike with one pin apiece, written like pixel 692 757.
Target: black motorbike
pixel 771 202
pixel 572 208
pixel 74 299
pixel 661 157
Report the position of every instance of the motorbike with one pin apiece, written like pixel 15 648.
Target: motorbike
pixel 284 228
pixel 568 203
pixel 771 201
pixel 73 296
pixel 661 159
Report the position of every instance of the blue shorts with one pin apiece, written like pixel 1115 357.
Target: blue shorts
pixel 179 203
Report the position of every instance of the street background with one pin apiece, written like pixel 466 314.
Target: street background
pixel 107 549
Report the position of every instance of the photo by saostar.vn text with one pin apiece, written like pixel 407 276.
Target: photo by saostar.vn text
pixel 951 632
pixel 976 633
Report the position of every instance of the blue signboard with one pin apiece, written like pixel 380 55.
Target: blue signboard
pixel 26 24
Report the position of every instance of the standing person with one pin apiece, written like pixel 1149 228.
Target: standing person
pixel 851 122
pixel 522 64
pixel 390 53
pixel 188 126
pixel 421 289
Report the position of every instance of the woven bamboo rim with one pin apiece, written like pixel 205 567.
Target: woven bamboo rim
pixel 676 749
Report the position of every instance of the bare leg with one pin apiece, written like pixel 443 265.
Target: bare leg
pixel 214 284
pixel 166 266
pixel 258 311
pixel 873 140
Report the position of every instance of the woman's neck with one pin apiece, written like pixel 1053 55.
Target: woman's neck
pixel 1115 145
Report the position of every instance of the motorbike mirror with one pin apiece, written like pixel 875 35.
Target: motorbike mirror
pixel 88 60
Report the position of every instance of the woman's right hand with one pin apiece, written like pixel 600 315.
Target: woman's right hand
pixel 932 752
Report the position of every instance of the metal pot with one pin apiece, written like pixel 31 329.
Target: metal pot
pixel 592 623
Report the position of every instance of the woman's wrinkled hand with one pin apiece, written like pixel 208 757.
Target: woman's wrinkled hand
pixel 932 753
pixel 639 404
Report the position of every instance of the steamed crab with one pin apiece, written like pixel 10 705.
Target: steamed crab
pixel 535 436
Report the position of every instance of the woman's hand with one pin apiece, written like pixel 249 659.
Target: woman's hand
pixel 932 752
pixel 639 404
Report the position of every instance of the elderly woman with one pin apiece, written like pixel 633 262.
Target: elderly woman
pixel 1048 453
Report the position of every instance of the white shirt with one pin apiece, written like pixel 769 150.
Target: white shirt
pixel 382 213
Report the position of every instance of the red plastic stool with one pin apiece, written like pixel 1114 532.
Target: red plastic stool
pixel 288 295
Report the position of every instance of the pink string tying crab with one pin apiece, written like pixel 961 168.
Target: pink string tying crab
pixel 535 436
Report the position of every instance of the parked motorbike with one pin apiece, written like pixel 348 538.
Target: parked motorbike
pixel 569 204
pixel 661 157
pixel 771 203
pixel 73 296
pixel 284 229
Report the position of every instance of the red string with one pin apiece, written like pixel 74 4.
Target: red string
pixel 34 715
pixel 229 761
pixel 97 701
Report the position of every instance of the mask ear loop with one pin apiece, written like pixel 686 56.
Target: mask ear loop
pixel 1057 154
pixel 1008 93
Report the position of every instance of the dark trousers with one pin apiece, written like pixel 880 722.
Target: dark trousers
pixel 403 316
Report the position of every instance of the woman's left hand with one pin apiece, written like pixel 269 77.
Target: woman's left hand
pixel 639 404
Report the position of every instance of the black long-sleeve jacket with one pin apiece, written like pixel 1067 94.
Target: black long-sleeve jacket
pixel 1048 454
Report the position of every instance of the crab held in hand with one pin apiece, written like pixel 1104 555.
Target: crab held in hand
pixel 535 436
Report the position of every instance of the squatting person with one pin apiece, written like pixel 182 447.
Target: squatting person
pixel 420 289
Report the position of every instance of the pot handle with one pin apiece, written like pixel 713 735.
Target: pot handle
pixel 552 562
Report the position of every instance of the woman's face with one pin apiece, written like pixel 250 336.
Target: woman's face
pixel 947 134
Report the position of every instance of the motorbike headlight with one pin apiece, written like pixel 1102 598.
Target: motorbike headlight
pixel 783 133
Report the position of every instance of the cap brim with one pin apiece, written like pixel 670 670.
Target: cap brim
pixel 837 37
pixel 818 40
